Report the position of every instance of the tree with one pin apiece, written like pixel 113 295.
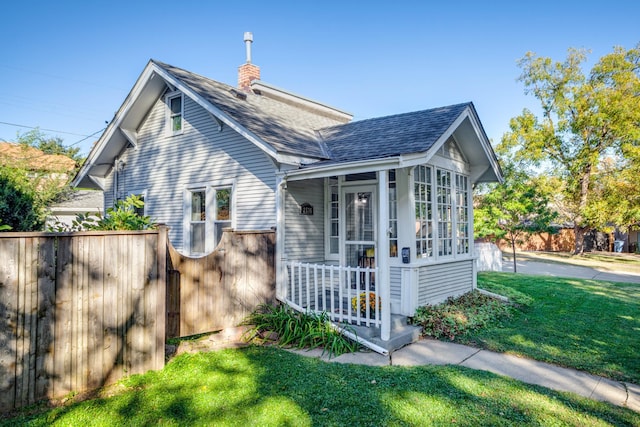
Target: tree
pixel 512 210
pixel 48 145
pixel 584 119
pixel 19 210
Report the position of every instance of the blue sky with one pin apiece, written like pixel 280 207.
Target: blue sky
pixel 67 65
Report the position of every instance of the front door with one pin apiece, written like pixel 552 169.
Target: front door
pixel 360 230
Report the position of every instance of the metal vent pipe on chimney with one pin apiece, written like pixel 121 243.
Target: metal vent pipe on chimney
pixel 248 39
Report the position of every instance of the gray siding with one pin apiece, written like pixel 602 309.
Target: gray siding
pixel 396 285
pixel 165 165
pixel 438 282
pixel 304 234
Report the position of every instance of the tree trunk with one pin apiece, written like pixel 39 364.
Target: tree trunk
pixel 582 206
pixel 579 236
pixel 513 248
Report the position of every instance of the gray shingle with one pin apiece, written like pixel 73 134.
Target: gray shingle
pixel 288 129
pixel 293 130
pixel 391 135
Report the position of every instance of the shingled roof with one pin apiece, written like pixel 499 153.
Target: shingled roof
pixel 287 128
pixel 21 155
pixel 292 130
pixel 390 136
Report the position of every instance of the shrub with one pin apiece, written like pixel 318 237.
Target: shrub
pixel 458 316
pixel 295 329
pixel 123 216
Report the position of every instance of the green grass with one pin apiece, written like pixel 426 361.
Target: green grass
pixel 589 325
pixel 266 386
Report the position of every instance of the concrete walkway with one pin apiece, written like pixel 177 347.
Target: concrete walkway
pixel 434 352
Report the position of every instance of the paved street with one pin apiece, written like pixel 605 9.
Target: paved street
pixel 526 266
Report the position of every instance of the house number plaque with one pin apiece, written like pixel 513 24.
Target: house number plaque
pixel 306 209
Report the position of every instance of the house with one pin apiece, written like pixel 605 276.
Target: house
pixel 377 210
pixel 64 212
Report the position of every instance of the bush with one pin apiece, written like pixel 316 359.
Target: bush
pixel 292 328
pixel 121 217
pixel 458 316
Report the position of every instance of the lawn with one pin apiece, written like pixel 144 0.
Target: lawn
pixel 267 386
pixel 590 325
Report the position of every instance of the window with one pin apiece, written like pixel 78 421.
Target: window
pixel 175 104
pixel 208 212
pixel 462 214
pixel 222 219
pixel 333 209
pixel 393 214
pixel 444 209
pixel 424 213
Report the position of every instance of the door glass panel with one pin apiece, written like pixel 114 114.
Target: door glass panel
pixel 359 213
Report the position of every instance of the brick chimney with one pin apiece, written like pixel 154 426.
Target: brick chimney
pixel 248 72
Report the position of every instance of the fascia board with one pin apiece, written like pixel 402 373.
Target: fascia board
pixel 113 126
pixel 486 145
pixel 342 169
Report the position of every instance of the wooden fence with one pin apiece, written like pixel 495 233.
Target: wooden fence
pixel 81 310
pixel 218 290
pixel 78 310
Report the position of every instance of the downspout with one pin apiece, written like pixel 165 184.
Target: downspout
pixel 115 182
pixel 383 255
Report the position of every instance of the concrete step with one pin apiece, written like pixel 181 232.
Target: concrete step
pixel 401 334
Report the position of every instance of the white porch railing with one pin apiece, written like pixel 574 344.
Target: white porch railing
pixel 346 294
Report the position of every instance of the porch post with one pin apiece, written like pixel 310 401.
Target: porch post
pixel 383 255
pixel 280 190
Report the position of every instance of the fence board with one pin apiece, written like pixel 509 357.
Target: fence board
pixel 46 317
pixel 219 290
pixel 67 311
pixel 80 310
pixel 8 320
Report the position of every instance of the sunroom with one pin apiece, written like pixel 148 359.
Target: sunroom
pixel 375 238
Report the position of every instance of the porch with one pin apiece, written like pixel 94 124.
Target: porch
pixel 352 298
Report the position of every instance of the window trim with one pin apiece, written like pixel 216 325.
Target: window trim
pixel 455 174
pixel 210 190
pixel 170 115
pixel 327 219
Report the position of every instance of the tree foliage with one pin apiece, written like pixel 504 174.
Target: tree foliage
pixel 49 145
pixel 585 118
pixel 27 189
pixel 19 207
pixel 512 210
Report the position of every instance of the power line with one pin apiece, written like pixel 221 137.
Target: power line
pixel 85 138
pixel 48 130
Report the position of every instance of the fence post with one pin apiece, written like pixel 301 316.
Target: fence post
pixel 161 289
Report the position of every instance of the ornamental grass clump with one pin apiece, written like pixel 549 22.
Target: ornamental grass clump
pixel 292 328
pixel 458 316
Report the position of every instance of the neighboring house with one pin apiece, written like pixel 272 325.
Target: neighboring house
pixel 78 202
pixel 383 204
pixel 42 166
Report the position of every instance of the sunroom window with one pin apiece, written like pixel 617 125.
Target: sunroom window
pixel 393 214
pixel 462 214
pixel 424 213
pixel 333 207
pixel 445 207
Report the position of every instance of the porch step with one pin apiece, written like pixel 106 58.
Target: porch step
pixel 401 333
